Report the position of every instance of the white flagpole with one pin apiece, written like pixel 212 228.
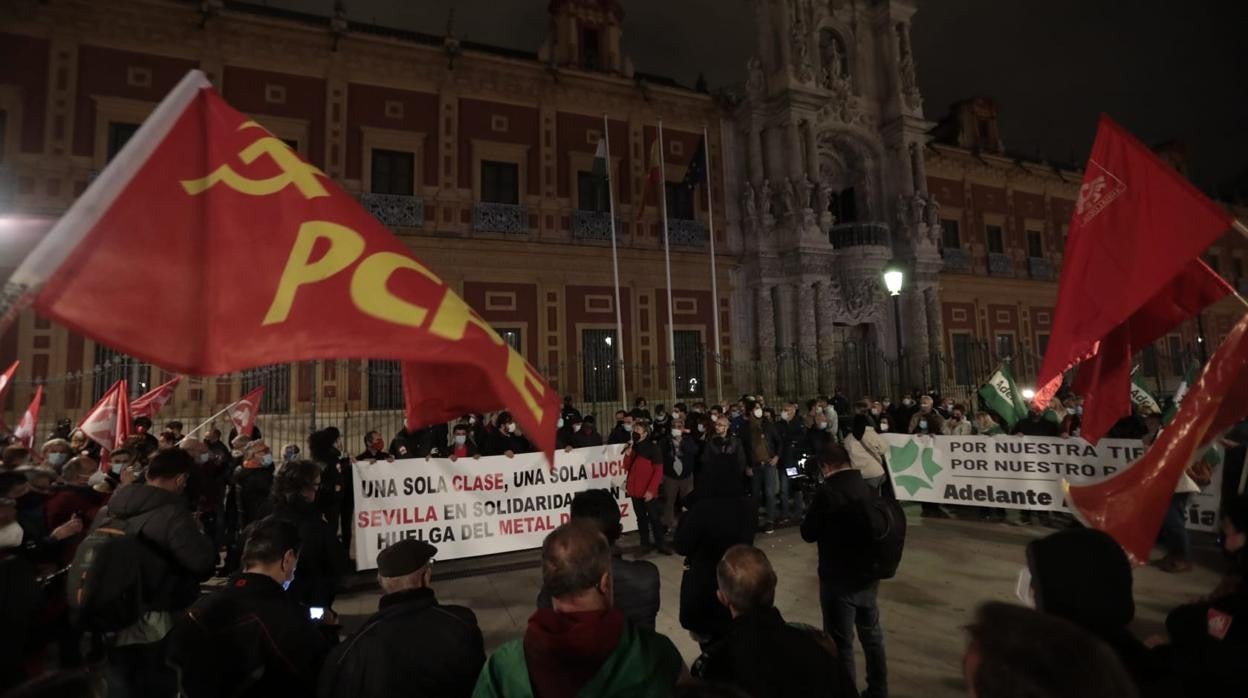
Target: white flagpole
pixel 710 222
pixel 208 421
pixel 615 266
pixel 667 265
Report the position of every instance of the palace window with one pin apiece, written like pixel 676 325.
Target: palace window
pixel 996 239
pixel 951 236
pixel 679 201
pixel 500 182
pixel 1035 243
pixel 599 370
pixel 591 192
pixel 392 172
pixel 118 135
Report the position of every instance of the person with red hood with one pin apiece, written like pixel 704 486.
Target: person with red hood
pixel 583 646
pixel 643 460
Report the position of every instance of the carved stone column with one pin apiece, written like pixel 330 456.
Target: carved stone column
pixel 825 340
pixel 812 150
pixel 918 167
pixel 794 154
pixel 765 326
pixel 786 336
pixel 935 330
pixel 758 169
pixel 807 339
pixel 915 340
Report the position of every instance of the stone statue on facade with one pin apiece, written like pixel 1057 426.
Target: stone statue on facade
pixel 808 188
pixel 788 198
pixel 748 208
pixel 754 84
pixel 765 197
pixel 801 49
pixel 933 219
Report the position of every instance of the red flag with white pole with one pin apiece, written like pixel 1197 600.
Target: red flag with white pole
pixel 243 413
pixel 25 431
pixel 149 403
pixel 1137 228
pixel 211 177
pixel 108 422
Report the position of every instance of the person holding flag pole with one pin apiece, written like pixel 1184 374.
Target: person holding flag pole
pixel 602 170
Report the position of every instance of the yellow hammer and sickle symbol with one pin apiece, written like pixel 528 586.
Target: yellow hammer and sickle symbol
pixel 294 171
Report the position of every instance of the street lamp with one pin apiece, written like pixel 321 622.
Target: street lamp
pixel 894 279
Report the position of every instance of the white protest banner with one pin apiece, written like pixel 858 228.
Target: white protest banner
pixel 478 506
pixel 1016 472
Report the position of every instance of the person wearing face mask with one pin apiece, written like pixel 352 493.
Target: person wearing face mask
pixel 177 557
pixel 220 451
pixel 680 456
pixel 903 412
pixel 623 431
pixel 75 496
pixel 462 445
pixel 506 439
pixel 1072 423
pixel 322 559
pixel 792 436
pixel 866 449
pixel 926 420
pixel 820 433
pixel 584 434
pixel 411 443
pixel 723 461
pixel 208 485
pixel 643 461
pixel 251 484
pixel 252 638
pixel 760 437
pixel 564 433
pixel 323 448
pixel 957 424
pixel 56 453
pixel 568 412
pixel 639 410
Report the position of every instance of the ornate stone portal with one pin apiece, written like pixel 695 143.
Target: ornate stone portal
pixel 833 186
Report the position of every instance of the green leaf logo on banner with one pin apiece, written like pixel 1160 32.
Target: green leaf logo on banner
pixel 903 458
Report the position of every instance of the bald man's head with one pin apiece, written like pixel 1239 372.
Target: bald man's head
pixel 575 558
pixel 747 582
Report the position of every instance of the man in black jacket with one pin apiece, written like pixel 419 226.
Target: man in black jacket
pixel 178 556
pixel 251 638
pixel 837 521
pixel 792 435
pixel 412 646
pixel 761 653
pixel 635 583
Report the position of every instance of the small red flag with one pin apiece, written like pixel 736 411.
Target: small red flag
pixel 149 403
pixel 243 413
pixel 1136 226
pixel 25 431
pixel 1130 505
pixel 108 422
pixel 215 180
pixel 6 378
pixel 1104 380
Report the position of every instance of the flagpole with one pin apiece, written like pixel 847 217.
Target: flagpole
pixel 667 266
pixel 1243 229
pixel 615 267
pixel 710 221
pixel 208 421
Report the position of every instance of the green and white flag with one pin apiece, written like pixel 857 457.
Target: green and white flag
pixel 1002 396
pixel 1189 376
pixel 1141 398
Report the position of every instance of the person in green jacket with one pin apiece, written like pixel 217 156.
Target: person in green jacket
pixel 582 646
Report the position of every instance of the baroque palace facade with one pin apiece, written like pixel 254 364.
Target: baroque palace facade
pixel 822 169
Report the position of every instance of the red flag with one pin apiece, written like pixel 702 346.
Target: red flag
pixel 149 403
pixel 215 180
pixel 243 413
pixel 1137 225
pixel 1104 380
pixel 1131 505
pixel 108 422
pixel 25 431
pixel 6 379
pixel 654 176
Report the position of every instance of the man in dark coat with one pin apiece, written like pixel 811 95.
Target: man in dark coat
pixel 837 521
pixel 635 583
pixel 412 645
pixel 178 557
pixel 252 638
pixel 586 436
pixel 761 653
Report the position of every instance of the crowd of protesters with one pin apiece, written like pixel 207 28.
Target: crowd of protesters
pixel 704 480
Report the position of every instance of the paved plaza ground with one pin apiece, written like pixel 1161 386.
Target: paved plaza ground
pixel 948 569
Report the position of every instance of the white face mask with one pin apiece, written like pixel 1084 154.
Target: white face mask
pixel 883 426
pixel 203 457
pixel 559 423
pixel 922 423
pixel 1023 590
pixel 57 458
pixel 511 427
pixel 11 535
pixel 758 413
pixel 461 439
pixel 907 402
pixel 786 416
pixel 676 433
pixel 701 428
pixel 117 466
pixel 472 420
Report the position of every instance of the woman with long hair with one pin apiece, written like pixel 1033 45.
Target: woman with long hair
pixel 322 559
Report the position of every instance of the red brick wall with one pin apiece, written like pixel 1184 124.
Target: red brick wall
pixel 102 72
pixel 305 99
pixel 524 311
pixel 366 106
pixel 24 62
pixel 989 199
pixel 475 118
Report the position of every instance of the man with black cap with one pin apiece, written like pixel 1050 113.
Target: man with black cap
pixel 412 646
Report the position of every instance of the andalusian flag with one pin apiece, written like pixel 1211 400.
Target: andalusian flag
pixel 1142 399
pixel 1001 395
pixel 600 160
pixel 1193 370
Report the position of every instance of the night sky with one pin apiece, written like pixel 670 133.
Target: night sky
pixel 1166 70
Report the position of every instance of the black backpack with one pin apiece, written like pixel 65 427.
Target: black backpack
pixel 887 523
pixel 104 587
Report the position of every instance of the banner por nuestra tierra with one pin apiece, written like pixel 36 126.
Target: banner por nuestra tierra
pixel 1018 472
pixel 483 506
